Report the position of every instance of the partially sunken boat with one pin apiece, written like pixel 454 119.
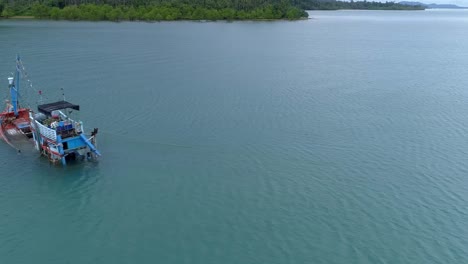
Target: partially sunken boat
pixel 55 134
pixel 59 137
pixel 14 120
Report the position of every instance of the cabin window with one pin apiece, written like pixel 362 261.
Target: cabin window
pixel 65 145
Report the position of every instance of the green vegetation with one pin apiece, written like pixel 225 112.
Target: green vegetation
pixel 157 10
pixel 361 5
pixel 154 10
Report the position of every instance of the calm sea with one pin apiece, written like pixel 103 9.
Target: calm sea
pixel 337 140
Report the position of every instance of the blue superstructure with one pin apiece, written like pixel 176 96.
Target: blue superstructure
pixel 59 137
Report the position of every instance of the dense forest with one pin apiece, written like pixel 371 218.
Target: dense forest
pixel 157 10
pixel 153 10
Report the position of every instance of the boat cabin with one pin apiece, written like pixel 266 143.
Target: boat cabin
pixel 51 116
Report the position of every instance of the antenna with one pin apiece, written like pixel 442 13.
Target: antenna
pixel 40 96
pixel 63 93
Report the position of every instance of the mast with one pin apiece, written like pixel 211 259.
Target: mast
pixel 14 87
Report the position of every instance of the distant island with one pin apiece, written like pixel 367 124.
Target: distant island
pixel 356 5
pixel 160 10
pixel 448 6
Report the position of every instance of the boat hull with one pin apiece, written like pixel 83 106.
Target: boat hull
pixel 14 128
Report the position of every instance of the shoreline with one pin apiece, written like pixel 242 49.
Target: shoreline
pixel 348 9
pixel 156 21
pixel 19 17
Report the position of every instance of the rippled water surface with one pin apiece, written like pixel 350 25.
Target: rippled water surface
pixel 340 139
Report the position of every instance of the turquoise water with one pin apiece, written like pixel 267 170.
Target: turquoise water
pixel 340 139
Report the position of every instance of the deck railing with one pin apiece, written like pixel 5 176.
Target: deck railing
pixel 46 132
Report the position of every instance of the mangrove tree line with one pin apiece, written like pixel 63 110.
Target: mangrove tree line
pixel 152 10
pixel 155 10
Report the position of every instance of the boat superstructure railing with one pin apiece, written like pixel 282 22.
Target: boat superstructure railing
pixel 64 127
pixel 46 132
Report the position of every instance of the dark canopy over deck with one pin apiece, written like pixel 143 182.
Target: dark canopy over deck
pixel 60 105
